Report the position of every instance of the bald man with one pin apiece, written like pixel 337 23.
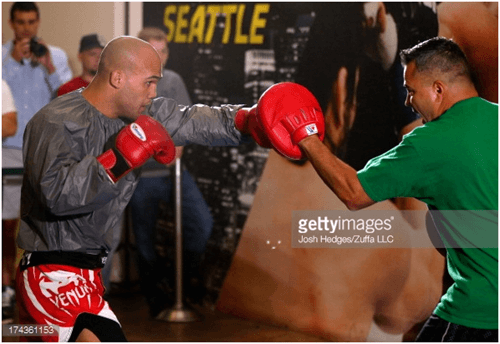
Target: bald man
pixel 82 154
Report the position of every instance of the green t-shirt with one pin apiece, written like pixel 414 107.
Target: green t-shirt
pixel 451 164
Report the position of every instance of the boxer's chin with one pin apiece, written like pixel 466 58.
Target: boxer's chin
pixel 129 118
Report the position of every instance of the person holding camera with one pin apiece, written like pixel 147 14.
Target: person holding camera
pixel 28 63
pixel 34 71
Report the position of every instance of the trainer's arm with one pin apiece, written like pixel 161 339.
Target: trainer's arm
pixel 341 178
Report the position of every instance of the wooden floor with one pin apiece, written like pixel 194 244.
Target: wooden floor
pixel 133 314
pixel 215 326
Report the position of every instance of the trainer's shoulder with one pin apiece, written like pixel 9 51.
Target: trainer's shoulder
pixel 493 107
pixel 423 139
pixel 481 112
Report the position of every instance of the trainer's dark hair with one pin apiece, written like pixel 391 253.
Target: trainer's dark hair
pixel 438 53
pixel 24 7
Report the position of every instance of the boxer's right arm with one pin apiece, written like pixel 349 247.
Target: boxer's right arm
pixel 60 173
pixel 134 145
pixel 61 168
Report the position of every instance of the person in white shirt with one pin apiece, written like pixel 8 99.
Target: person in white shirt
pixel 9 128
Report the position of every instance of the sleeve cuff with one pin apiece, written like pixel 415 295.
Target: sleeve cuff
pixel 366 186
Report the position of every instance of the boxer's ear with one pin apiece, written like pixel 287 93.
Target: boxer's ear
pixel 117 78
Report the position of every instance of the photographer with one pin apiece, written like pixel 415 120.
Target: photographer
pixel 33 77
pixel 30 57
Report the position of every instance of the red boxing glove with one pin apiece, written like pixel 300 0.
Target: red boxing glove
pixel 288 113
pixel 246 122
pixel 135 144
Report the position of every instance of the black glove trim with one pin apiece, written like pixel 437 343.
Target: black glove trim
pixel 121 167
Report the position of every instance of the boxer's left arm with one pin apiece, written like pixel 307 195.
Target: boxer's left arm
pixel 341 178
pixel 246 122
pixel 198 124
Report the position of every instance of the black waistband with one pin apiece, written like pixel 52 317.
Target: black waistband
pixel 77 259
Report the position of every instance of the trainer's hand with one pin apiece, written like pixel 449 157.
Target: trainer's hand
pixel 288 113
pixel 135 144
pixel 246 122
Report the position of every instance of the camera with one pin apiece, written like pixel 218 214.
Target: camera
pixel 36 48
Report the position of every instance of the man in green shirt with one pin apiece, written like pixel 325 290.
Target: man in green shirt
pixel 450 163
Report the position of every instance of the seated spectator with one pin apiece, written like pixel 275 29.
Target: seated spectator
pixel 89 53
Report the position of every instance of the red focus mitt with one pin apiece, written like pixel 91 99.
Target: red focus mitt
pixel 288 113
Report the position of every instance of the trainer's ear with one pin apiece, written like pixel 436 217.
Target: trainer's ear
pixel 439 88
pixel 117 78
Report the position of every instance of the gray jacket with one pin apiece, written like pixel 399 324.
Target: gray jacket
pixel 68 203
